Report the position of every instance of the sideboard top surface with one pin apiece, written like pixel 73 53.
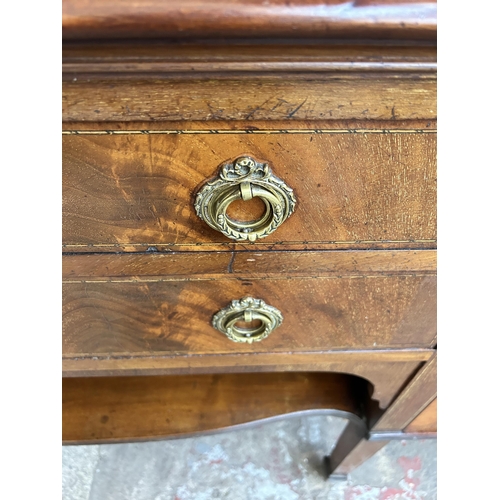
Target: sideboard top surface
pixel 253 19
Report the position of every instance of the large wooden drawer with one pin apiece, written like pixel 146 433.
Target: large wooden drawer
pixel 127 190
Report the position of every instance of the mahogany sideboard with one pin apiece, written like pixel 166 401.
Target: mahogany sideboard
pixel 249 218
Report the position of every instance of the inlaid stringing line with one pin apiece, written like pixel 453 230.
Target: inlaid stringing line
pixel 252 278
pixel 359 242
pixel 249 132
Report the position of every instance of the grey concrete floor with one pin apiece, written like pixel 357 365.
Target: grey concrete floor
pixel 278 460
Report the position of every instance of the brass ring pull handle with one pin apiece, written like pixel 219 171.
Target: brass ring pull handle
pixel 247 310
pixel 244 179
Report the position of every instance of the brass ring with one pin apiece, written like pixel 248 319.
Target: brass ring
pixel 247 309
pixel 253 228
pixel 245 179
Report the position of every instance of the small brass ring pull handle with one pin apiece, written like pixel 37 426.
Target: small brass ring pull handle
pixel 244 179
pixel 247 310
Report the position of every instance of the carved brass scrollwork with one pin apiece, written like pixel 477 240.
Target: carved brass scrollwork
pixel 247 310
pixel 244 179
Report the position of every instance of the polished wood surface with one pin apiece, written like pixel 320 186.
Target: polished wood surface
pixel 400 19
pixel 144 315
pixel 340 98
pixel 388 371
pixel 426 421
pixel 233 56
pixel 215 265
pixel 139 189
pixel 114 409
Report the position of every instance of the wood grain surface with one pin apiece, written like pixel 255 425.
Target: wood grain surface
pixel 426 421
pixel 308 96
pixel 139 189
pixel 115 409
pixel 239 57
pixel 144 316
pixel 348 124
pixel 255 127
pixel 414 399
pixel 388 371
pixel 410 19
pixel 245 264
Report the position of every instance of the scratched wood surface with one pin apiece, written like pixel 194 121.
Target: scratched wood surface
pixel 224 97
pixel 141 316
pixel 115 409
pixel 216 265
pixel 139 189
pixel 255 127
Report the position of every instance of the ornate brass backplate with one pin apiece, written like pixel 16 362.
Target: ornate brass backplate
pixel 243 179
pixel 247 310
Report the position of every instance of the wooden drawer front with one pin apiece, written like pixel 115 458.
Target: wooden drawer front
pixel 134 316
pixel 134 190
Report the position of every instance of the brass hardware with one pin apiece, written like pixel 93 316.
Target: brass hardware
pixel 247 310
pixel 244 179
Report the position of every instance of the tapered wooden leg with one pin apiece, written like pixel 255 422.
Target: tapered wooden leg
pixel 342 463
pixel 348 450
pixel 355 445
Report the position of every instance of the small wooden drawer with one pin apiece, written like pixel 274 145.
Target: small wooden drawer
pixel 128 190
pixel 150 316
